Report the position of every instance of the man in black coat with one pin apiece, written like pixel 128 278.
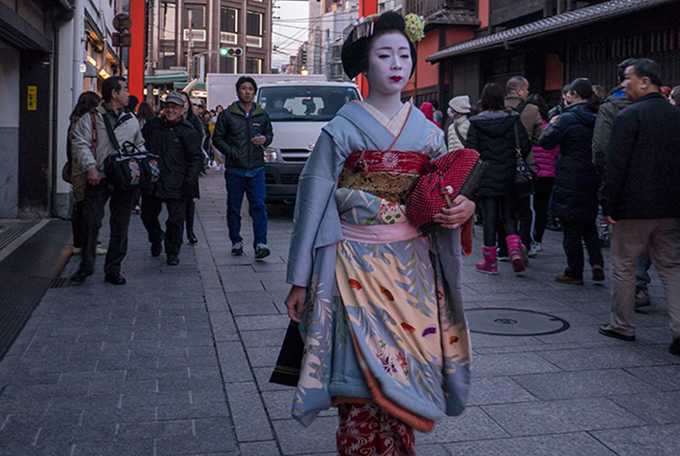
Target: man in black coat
pixel 643 190
pixel 178 145
pixel 242 133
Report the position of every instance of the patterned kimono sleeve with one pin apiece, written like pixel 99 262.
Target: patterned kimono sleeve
pixel 315 192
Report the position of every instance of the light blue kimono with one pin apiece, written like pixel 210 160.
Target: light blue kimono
pixel 329 367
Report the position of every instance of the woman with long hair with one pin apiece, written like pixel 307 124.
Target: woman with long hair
pixel 574 198
pixel 385 338
pixel 145 113
pixel 496 134
pixel 195 122
pixel 87 101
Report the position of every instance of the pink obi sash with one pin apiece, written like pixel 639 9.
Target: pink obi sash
pixel 379 234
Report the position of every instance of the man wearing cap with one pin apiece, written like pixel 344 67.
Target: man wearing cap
pixel 242 133
pixel 459 109
pixel 178 145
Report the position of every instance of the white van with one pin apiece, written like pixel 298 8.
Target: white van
pixel 297 111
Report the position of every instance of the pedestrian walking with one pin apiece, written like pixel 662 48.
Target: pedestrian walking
pixel 92 145
pixel 365 351
pixel 616 102
pixel 459 110
pixel 178 146
pixel 643 190
pixel 517 99
pixel 190 206
pixel 574 198
pixel 497 134
pixel 545 179
pixel 437 115
pixel 242 132
pixel 72 172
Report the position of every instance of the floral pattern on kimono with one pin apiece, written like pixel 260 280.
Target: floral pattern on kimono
pixel 413 340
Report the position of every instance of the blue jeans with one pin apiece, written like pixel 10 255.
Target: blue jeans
pixel 252 183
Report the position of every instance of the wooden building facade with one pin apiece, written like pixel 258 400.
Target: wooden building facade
pixel 555 41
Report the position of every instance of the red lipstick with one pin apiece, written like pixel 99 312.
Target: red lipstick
pixel 396 78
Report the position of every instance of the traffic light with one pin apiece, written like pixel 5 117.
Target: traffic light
pixel 231 52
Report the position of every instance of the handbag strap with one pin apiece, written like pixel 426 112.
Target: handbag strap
pixel 110 133
pixel 460 137
pixel 518 148
pixel 93 144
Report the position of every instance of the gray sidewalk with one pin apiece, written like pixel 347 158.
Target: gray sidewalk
pixel 177 362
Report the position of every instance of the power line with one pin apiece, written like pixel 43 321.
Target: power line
pixel 305 29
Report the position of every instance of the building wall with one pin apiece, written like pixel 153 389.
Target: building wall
pixel 9 130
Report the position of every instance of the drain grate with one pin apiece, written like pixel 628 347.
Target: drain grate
pixel 11 232
pixel 59 282
pixel 501 321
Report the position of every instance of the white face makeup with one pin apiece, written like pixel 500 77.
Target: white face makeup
pixel 389 64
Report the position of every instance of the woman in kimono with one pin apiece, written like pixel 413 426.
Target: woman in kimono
pixel 379 303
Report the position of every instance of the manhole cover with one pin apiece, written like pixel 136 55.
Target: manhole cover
pixel 502 321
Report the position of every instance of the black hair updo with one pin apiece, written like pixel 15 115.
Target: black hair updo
pixel 357 45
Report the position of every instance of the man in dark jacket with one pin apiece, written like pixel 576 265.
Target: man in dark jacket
pixel 612 106
pixel 643 190
pixel 178 145
pixel 242 133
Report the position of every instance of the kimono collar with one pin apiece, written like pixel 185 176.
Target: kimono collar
pixel 374 130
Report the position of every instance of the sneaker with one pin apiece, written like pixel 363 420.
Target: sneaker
pixel 598 273
pixel 568 280
pixel 75 251
pixel 674 349
pixel 261 251
pixel 607 330
pixel 237 249
pixel 173 260
pixel 502 256
pixel 535 249
pixel 642 298
pixel 101 250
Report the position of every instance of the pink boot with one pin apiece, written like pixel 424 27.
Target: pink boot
pixel 516 253
pixel 488 265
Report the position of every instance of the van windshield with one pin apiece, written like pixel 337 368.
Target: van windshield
pixel 304 103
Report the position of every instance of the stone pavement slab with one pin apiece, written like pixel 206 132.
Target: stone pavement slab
pixel 178 362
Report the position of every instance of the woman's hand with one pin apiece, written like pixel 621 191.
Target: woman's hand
pixel 296 302
pixel 453 217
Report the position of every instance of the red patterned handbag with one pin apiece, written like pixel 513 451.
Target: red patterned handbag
pixel 441 184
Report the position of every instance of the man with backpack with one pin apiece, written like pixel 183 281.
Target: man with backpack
pixel 94 139
pixel 178 145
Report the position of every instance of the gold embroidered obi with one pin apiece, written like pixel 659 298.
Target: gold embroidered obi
pixel 390 175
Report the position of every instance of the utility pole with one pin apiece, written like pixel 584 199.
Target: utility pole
pixel 190 45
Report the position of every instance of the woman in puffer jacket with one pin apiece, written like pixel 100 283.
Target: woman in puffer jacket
pixel 574 198
pixel 495 133
pixel 544 160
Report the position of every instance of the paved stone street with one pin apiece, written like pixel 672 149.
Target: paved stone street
pixel 177 362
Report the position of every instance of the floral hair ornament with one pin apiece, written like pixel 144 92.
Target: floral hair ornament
pixel 415 27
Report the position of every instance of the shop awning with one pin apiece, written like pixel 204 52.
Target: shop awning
pixel 166 78
pixel 549 25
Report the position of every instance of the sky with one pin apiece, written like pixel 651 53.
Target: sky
pixel 290 29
